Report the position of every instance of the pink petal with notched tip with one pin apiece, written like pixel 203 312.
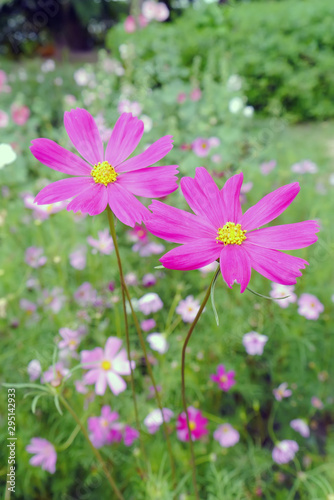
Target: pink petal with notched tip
pixel 153 182
pixel 58 158
pixel 62 190
pixel 231 198
pixel 274 265
pixel 192 255
pixel 270 207
pixel 203 197
pixel 84 134
pixel 235 265
pixel 125 206
pixel 286 237
pixel 178 226
pixel 124 139
pixel 151 155
pixel 92 201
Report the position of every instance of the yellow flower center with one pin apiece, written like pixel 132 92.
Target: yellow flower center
pixel 104 173
pixel 231 234
pixel 106 365
pixel 192 426
pixel 223 378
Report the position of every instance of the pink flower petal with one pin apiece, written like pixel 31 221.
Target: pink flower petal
pixel 231 196
pixel 192 255
pixel 84 135
pixel 154 182
pixel 124 139
pixel 203 197
pixel 91 201
pixel 101 383
pixel 178 226
pixel 125 206
pixel 116 383
pixel 37 460
pixel 151 155
pixel 235 266
pixel 121 364
pixel 112 346
pixel 287 237
pixel 270 207
pixel 274 265
pixel 58 158
pixel 62 190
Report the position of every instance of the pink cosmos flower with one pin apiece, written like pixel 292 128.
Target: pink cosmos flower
pixel 78 258
pixel 105 367
pixel 104 244
pixel 4 119
pixel 130 24
pixel 284 451
pixel 20 114
pixel 283 291
pixel 310 306
pixel 53 300
pixel 195 94
pixel 148 324
pixel 126 106
pixel 55 374
pixel 150 303
pixel 197 423
pixel 45 454
pixel 70 339
pixel 34 257
pixel 154 419
pixel 34 370
pixel 300 426
pixel 224 379
pixel 282 391
pixel 219 230
pixel 161 12
pixel 226 435
pixel 304 166
pixel 131 279
pixel 85 295
pixel 317 403
pixel 28 306
pixel 254 343
pixel 148 280
pixel 138 233
pixel 267 167
pixel 106 178
pixel 3 82
pixel 188 308
pixel 99 427
pixel 201 147
pixel 129 435
pixel 181 97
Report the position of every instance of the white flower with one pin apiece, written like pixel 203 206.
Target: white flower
pixel 158 342
pixel 235 105
pixel 248 111
pixel 234 83
pixel 148 123
pixel 7 155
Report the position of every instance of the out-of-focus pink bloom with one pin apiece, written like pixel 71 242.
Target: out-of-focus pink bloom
pixel 78 258
pixel 85 295
pixel 104 131
pixel 284 451
pixel 195 94
pixel 3 82
pixel 99 427
pixel 81 387
pixel 214 142
pixel 28 306
pixel 226 435
pixel 150 303
pixel 138 233
pixel 220 230
pixel 4 119
pixel 181 97
pixel 104 244
pixel 201 147
pixel 130 24
pixel 131 279
pixel 197 424
pixel 105 367
pixel 149 280
pixel 161 12
pixel 224 379
pixel 267 167
pixel 188 308
pixel 254 343
pixel 53 300
pixel 158 342
pixel 126 106
pixel 147 249
pixel 152 391
pixel 282 391
pixel 130 435
pixel 245 188
pixel 42 212
pixel 55 374
pixel 317 403
pixel 304 167
pixel 210 268
pixel 34 257
pixel 154 419
pixel 287 291
pixel 20 114
pixel 34 370
pixel 185 147
pixel 300 426
pixel 149 10
pixel 148 324
pixel 71 339
pixel 216 158
pixel 106 178
pixel 45 454
pixel 310 306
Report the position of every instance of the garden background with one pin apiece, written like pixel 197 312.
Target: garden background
pixel 251 81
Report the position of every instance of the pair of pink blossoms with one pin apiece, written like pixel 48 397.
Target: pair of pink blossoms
pixel 216 230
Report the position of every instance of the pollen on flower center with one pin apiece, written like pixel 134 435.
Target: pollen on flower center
pixel 223 378
pixel 106 365
pixel 231 234
pixel 104 173
pixel 192 425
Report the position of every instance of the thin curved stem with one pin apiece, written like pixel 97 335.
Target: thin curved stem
pixel 183 383
pixel 121 274
pixel 94 450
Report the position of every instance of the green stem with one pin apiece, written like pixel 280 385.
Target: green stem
pixel 94 450
pixel 114 237
pixel 70 440
pixel 183 384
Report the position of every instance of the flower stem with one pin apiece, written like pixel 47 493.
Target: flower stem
pixel 120 268
pixel 183 384
pixel 94 450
